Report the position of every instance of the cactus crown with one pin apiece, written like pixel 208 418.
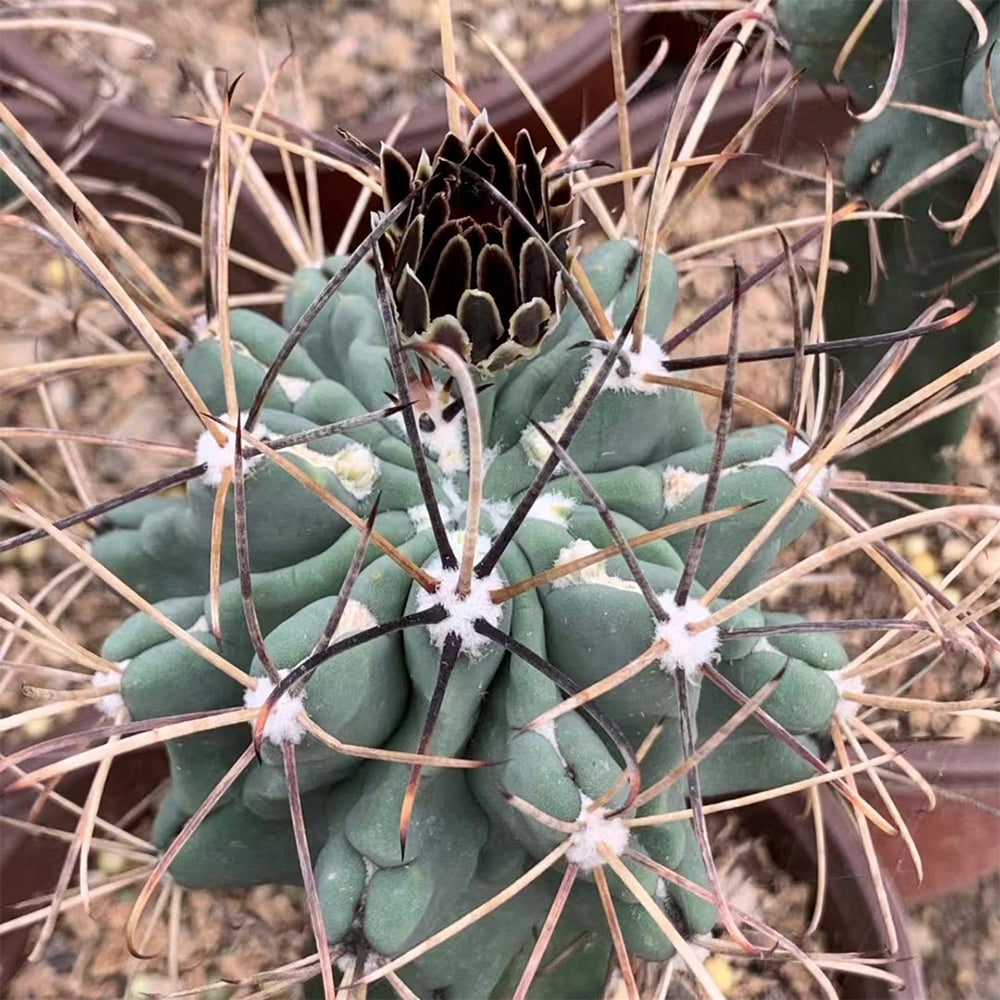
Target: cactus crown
pixel 463 272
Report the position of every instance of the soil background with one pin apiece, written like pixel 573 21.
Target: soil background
pixel 363 59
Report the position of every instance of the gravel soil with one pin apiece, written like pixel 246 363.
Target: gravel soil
pixel 364 58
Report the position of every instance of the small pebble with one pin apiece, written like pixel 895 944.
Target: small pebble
pixel 955 550
pixel 721 972
pixel 914 545
pixel 55 273
pixel 923 562
pixel 27 555
pixel 988 562
pixel 36 729
pixel 110 863
pixel 147 984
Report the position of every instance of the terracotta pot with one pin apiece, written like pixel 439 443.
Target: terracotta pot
pixel 851 918
pixel 30 864
pixel 165 156
pixel 959 840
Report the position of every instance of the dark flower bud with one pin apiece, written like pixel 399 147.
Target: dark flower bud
pixel 463 272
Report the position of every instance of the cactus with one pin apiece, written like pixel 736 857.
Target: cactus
pixel 922 68
pixel 467 667
pixel 466 662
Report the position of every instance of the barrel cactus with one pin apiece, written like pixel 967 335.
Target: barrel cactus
pixel 469 624
pixel 927 145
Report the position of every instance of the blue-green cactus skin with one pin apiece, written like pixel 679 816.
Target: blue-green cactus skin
pixel 466 841
pixel 942 68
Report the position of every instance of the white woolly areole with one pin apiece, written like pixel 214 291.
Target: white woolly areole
pixel 446 441
pixel 109 704
pixel 450 512
pixel 356 618
pixel 648 360
pixel 419 517
pixel 453 514
pixel 782 458
pixel 688 650
pixel 596 574
pixel 547 731
pixel 293 386
pixel 282 724
pixel 462 612
pixel 200 625
pixel 988 135
pixel 552 507
pixel 846 708
pixel 347 962
pixel 220 457
pixel 498 511
pixel 596 827
pixel 534 444
pixel 355 467
pixel 679 483
pixel 447 444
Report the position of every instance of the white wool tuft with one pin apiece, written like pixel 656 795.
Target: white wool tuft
pixel 782 458
pixel 282 724
pixel 463 612
pixel 577 549
pixel 218 457
pixel 445 442
pixel 988 135
pixel 547 731
pixel 846 708
pixel 355 467
pixel 679 484
pixel 596 827
pixel 498 511
pixel 109 704
pixel 356 618
pixel 648 360
pixel 419 517
pixel 596 574
pixel 553 507
pixel 688 650
pixel 293 386
pixel 199 327
pixel 347 961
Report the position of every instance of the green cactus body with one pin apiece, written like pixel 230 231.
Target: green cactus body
pixel 817 35
pixel 639 445
pixel 943 68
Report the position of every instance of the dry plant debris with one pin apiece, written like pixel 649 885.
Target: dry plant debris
pixel 34 500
